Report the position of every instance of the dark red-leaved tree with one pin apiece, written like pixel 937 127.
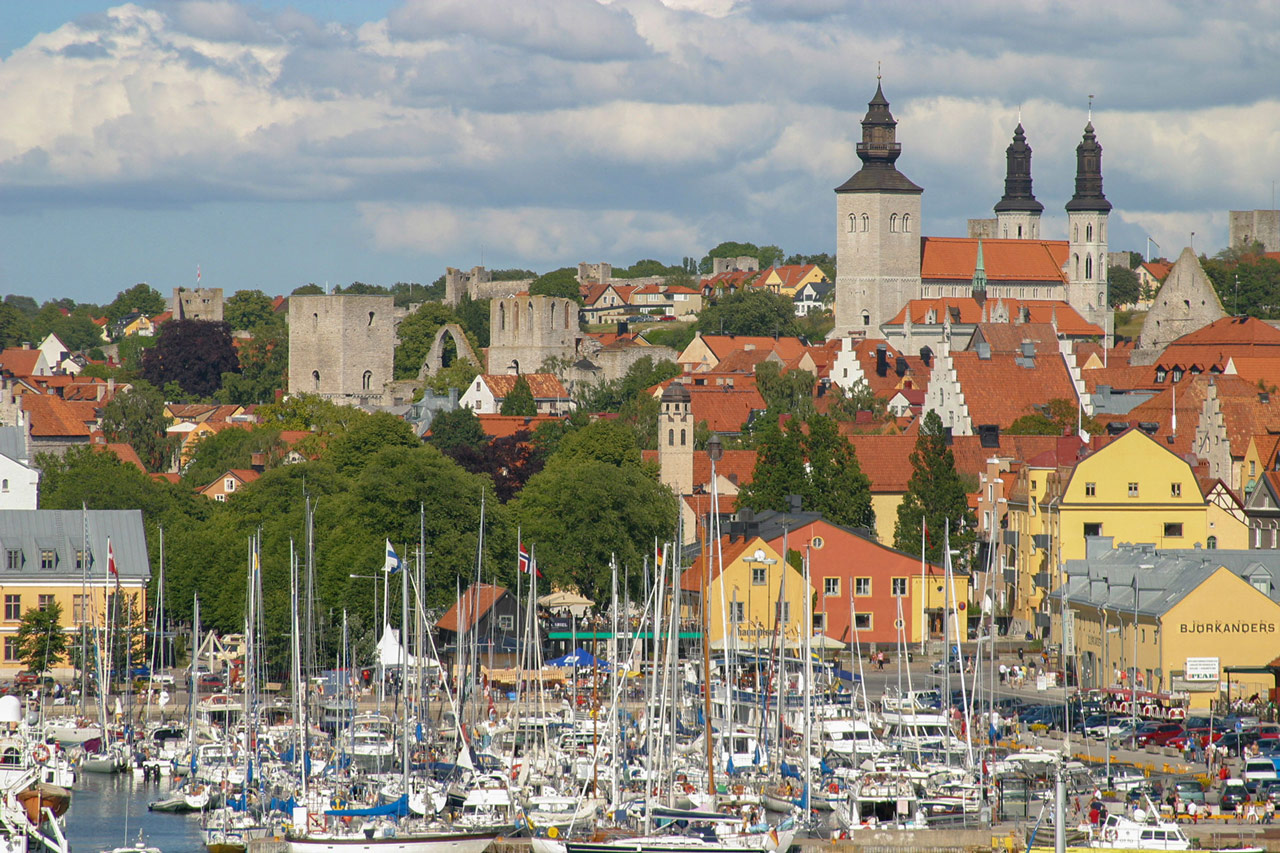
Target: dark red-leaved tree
pixel 193 353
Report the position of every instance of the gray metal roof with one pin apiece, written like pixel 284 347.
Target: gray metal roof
pixel 66 532
pixel 1105 578
pixel 13 443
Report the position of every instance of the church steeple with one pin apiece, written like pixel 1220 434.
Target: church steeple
pixel 878 151
pixel 979 286
pixel 1017 180
pixel 1089 175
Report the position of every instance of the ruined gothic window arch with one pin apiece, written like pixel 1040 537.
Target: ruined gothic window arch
pixel 370 318
pixel 531 315
pixel 1075 260
pixel 566 313
pixel 515 316
pixel 315 378
pixel 1088 267
pixel 1088 233
pixel 866 223
pixel 906 223
pixel 551 315
pixel 893 223
pixel 366 381
pixel 502 316
pixel 315 321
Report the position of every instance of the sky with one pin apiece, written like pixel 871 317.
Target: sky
pixel 271 144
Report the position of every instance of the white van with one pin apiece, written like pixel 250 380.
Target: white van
pixel 1259 769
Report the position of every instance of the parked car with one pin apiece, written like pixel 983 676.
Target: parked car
pixel 938 667
pixel 1157 734
pixel 1236 741
pixel 1200 734
pixel 1268 789
pixel 1106 727
pixel 26 678
pixel 1190 790
pixel 1234 794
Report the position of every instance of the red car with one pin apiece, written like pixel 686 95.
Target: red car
pixel 26 678
pixel 1160 735
pixel 1201 734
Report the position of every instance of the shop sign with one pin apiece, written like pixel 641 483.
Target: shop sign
pixel 1201 669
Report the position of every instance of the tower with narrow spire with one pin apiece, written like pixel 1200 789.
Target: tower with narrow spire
pixel 978 288
pixel 1087 233
pixel 1018 212
pixel 877 230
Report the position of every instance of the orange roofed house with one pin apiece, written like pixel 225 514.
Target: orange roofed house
pixel 486 612
pixel 488 391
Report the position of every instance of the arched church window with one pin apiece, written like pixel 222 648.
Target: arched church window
pixel 515 316
pixel 551 316
pixel 1088 267
pixel 502 316
pixel 1075 261
pixel 1075 233
pixel 1088 233
pixel 853 223
pixel 531 316
pixel 366 382
pixel 1019 232
pixel 315 378
pixel 866 318
pixel 671 438
pixel 866 223
pixel 682 438
pixel 906 223
pixel 1102 298
pixel 893 223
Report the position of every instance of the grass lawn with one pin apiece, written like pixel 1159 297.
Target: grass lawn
pixel 1129 323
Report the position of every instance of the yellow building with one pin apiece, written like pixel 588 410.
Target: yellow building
pixel 1214 613
pixel 1133 490
pixel 64 557
pixel 755 594
pixel 789 279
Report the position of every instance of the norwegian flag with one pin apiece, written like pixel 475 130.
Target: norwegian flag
pixel 523 560
pixel 111 560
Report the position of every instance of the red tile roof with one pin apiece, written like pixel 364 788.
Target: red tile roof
pixel 917 375
pixel 500 426
pixel 885 459
pixel 19 361
pixel 54 417
pixel 999 390
pixel 722 345
pixel 969 312
pixel 545 386
pixel 124 452
pixel 954 259
pixel 475 602
pixel 736 466
pixel 1008 337
pixel 1159 270
pixel 732 279
pixel 724 409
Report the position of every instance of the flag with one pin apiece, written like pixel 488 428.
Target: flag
pixel 392 564
pixel 111 560
pixel 197 273
pixel 523 560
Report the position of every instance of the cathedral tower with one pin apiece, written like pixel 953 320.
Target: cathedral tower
pixel 1018 213
pixel 1087 234
pixel 877 230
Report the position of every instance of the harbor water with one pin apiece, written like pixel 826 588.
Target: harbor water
pixel 108 810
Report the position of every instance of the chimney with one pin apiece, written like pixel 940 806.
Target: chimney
pixel 882 360
pixel 900 366
pixel 623 328
pixel 947 438
pixel 989 435
pixel 111 386
pixel 926 355
pixel 258 461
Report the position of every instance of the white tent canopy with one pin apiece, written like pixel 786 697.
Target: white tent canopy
pixel 571 601
pixel 391 653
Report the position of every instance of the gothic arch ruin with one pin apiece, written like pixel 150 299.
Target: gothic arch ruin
pixel 435 358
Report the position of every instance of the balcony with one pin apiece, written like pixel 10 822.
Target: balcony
pixel 1042 580
pixel 1043 620
pixel 1011 576
pixel 1010 537
pixel 1041 541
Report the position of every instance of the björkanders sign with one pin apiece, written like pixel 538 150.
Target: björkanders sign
pixel 1217 627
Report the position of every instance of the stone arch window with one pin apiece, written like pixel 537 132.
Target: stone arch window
pixel 531 315
pixel 315 379
pixel 1075 233
pixel 1075 261
pixel 567 305
pixel 866 318
pixel 906 223
pixel 866 223
pixel 551 315
pixel 1102 299
pixel 1019 232
pixel 315 321
pixel 1088 233
pixel 682 437
pixel 370 318
pixel 853 222
pixel 671 438
pixel 4 485
pixel 366 381
pixel 515 316
pixel 1211 543
pixel 1088 267
pixel 502 316
pixel 893 223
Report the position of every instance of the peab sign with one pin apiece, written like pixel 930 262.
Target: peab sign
pixel 1201 669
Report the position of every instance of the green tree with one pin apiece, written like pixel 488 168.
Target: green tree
pixel 519 401
pixel 14 325
pixel 231 448
pixel 41 642
pixel 142 298
pixel 845 405
pixel 562 282
pixel 360 288
pixel 308 289
pixel 407 293
pixel 351 450
pixel 136 417
pixel 767 256
pixel 785 392
pixel 935 498
pixel 25 304
pixel 193 353
pixel 416 333
pixel 309 412
pixel 1122 286
pixel 473 314
pixel 836 486
pixel 1057 417
pixel 459 374
pixel 250 310
pixel 750 311
pixel 76 329
pixel 641 414
pixel 264 368
pixel 459 428
pixel 779 470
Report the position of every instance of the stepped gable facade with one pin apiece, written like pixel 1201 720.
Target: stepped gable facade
pixel 1186 302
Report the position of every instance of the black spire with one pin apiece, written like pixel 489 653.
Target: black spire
pixel 878 151
pixel 1017 180
pixel 1089 175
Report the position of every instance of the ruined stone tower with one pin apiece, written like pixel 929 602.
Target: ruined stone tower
pixel 524 331
pixel 341 346
pixel 197 303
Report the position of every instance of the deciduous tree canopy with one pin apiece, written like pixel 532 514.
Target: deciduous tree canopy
pixel 193 353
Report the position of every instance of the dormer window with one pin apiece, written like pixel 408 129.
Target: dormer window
pixel 1160 374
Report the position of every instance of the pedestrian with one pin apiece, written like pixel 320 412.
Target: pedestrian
pixel 1019 654
pixel 1193 811
pixel 1004 671
pixel 1269 811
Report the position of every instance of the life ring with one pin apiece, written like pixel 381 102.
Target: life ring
pixel 834 788
pixel 688 788
pixel 40 754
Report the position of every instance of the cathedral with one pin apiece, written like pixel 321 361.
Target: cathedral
pixel 883 263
